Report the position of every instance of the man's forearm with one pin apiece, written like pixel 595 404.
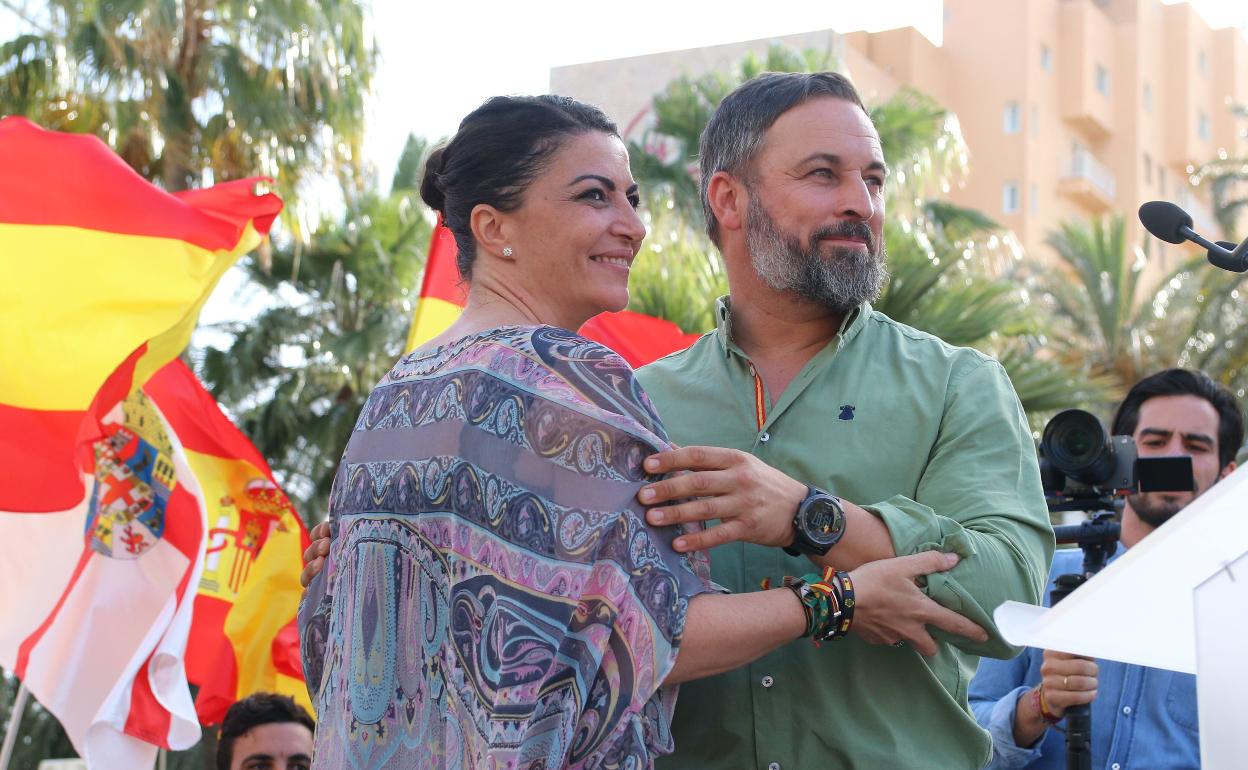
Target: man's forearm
pixel 866 539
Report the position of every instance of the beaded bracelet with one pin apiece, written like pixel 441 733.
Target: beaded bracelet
pixel 1043 707
pixel 828 601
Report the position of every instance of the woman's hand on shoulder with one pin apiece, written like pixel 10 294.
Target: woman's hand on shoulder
pixel 314 557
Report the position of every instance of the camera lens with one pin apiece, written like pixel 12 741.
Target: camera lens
pixel 1078 445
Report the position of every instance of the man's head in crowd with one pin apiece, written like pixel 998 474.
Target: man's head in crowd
pixel 266 731
pixel 792 169
pixel 1181 412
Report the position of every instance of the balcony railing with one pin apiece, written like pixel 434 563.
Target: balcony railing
pixel 1084 165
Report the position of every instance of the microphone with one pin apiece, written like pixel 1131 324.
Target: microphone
pixel 1172 224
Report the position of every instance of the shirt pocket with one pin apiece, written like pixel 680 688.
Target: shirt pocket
pixel 1181 700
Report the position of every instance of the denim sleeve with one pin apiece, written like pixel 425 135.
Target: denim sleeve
pixel 994 694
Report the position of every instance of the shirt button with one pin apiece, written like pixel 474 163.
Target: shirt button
pixel 764 437
pixel 1126 710
pixel 774 766
pixel 768 681
pixel 1115 766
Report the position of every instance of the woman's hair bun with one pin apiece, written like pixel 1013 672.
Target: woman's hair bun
pixel 431 191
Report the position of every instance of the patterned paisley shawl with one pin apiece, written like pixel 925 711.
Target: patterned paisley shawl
pixel 493 597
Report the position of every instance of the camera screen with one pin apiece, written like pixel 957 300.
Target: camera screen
pixel 1164 474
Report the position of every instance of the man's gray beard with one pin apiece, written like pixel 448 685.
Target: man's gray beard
pixel 1153 509
pixel 840 281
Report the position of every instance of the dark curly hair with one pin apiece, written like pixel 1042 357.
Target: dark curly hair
pixel 496 153
pixel 261 708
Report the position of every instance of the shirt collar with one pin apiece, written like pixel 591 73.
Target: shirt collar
pixel 850 326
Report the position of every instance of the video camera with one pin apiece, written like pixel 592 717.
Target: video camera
pixel 1084 468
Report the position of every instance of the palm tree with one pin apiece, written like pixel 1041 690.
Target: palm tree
pixel 1104 320
pixel 1228 179
pixel 296 376
pixel 193 91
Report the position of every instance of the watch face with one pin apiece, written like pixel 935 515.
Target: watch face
pixel 823 521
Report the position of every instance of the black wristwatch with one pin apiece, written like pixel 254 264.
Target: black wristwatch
pixel 818 525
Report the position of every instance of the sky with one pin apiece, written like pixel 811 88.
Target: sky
pixel 441 59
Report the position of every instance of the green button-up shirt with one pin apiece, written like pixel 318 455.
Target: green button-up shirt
pixel 929 437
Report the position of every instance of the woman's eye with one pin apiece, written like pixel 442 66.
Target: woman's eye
pixel 634 200
pixel 596 195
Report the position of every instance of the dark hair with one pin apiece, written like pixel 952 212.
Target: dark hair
pixel 496 153
pixel 735 131
pixel 261 708
pixel 1186 382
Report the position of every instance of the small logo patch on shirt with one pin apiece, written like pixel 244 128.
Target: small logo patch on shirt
pixel 847 412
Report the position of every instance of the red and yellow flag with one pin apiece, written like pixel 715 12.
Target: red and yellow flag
pixel 243 635
pixel 101 270
pixel 637 337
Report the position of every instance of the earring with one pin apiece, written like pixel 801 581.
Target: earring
pixel 508 251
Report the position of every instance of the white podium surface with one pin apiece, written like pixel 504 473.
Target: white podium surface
pixel 1176 600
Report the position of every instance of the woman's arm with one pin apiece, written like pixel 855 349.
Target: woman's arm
pixel 724 631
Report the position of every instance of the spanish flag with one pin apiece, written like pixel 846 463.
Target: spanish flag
pixel 637 337
pixel 103 273
pixel 102 521
pixel 243 635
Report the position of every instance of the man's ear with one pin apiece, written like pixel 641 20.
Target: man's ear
pixel 489 228
pixel 1227 470
pixel 728 200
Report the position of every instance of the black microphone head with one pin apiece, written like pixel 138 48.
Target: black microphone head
pixel 1163 219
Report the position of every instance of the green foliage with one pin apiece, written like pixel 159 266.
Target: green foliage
pixel 40 735
pixel 188 90
pixel 678 275
pixel 296 376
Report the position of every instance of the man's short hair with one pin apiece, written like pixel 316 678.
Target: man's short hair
pixel 735 131
pixel 1186 382
pixel 261 708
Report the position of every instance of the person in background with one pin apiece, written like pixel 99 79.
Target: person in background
pixel 1141 714
pixel 266 731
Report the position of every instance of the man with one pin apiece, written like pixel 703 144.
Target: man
pixel 818 401
pixel 266 731
pixel 1146 714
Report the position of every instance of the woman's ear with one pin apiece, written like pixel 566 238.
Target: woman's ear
pixel 728 202
pixel 489 229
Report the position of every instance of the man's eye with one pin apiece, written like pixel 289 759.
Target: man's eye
pixel 824 173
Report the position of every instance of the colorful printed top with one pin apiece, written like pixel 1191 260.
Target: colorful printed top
pixel 493 597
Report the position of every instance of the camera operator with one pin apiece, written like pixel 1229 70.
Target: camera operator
pixel 1146 714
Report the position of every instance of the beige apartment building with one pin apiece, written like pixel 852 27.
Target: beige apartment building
pixel 1071 109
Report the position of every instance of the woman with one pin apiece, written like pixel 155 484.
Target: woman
pixel 493 596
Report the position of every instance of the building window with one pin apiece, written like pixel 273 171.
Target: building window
pixel 1148 98
pixel 1009 198
pixel 1202 63
pixel 1161 181
pixel 1046 58
pixel 1148 168
pixel 1202 126
pixel 1102 80
pixel 1013 118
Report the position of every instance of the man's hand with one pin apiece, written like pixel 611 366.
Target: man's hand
pixel 1066 680
pixel 889 608
pixel 1069 680
pixel 314 557
pixel 753 501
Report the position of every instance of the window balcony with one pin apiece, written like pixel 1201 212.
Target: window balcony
pixel 1088 182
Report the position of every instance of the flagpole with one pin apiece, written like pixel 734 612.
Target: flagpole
pixel 15 719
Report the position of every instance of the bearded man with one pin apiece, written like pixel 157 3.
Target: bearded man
pixel 819 432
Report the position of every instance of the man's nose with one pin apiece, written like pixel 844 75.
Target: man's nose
pixel 854 200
